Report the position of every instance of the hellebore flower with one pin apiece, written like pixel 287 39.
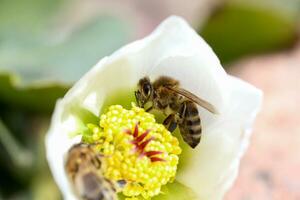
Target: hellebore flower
pixel 136 147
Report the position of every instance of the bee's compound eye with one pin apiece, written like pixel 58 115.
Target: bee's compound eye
pixel 147 89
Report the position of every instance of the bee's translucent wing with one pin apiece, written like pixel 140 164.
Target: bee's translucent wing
pixel 194 99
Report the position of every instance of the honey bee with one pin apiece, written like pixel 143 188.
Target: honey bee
pixel 178 104
pixel 83 166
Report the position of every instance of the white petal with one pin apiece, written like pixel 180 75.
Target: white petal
pixel 173 49
pixel 211 170
pixel 57 144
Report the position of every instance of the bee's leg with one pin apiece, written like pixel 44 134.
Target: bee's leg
pixel 181 115
pixel 182 111
pixel 168 119
pixel 137 99
pixel 172 126
pixel 170 123
pixel 120 184
pixel 149 109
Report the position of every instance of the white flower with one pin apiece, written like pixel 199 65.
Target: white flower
pixel 174 49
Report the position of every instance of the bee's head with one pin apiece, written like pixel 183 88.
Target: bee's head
pixel 144 91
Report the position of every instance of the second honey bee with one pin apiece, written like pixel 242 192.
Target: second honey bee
pixel 83 166
pixel 178 104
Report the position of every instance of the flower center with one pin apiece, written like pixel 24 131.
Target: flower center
pixel 135 149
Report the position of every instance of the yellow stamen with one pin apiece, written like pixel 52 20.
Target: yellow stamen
pixel 136 149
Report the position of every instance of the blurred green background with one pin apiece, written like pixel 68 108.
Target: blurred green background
pixel 46 45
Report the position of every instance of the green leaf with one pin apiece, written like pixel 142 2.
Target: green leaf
pixel 66 59
pixel 40 98
pixel 20 157
pixel 46 57
pixel 23 165
pixel 237 30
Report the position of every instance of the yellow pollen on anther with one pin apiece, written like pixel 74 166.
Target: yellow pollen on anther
pixel 135 149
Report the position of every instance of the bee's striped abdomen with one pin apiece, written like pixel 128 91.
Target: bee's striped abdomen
pixel 190 126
